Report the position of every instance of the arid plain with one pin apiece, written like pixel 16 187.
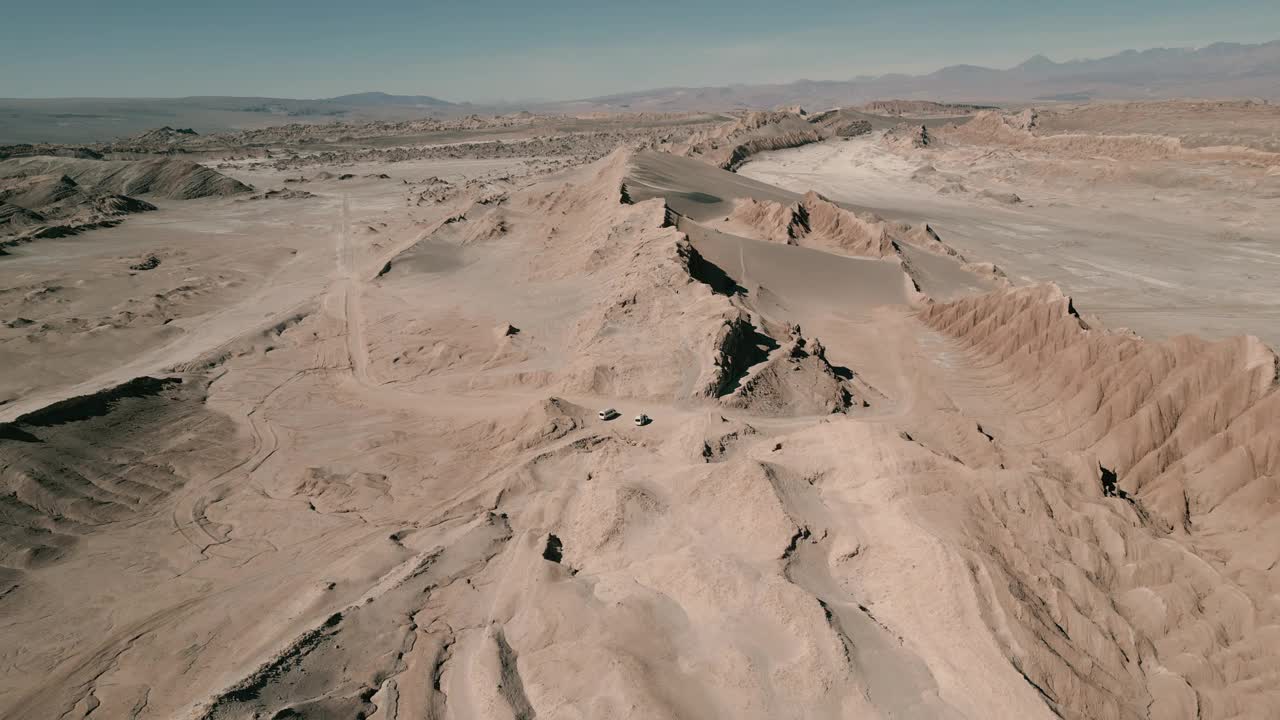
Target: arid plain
pixel 956 412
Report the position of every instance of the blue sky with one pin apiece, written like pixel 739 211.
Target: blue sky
pixel 559 49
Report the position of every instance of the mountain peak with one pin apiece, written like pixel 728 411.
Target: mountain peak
pixel 382 98
pixel 1036 62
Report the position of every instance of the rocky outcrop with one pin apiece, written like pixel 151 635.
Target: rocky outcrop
pixel 908 136
pixel 51 197
pixel 921 108
pixel 1161 491
pixel 731 145
pixel 51 206
pixel 171 178
pixel 797 379
pixel 1020 131
pixel 1152 412
pixel 841 122
pixel 817 222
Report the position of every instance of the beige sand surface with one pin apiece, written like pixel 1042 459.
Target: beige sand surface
pixel 1163 245
pixel 368 479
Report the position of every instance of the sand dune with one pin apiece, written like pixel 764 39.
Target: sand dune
pixel 751 209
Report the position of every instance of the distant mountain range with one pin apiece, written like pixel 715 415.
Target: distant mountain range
pixel 1217 71
pixel 1220 70
pixel 368 99
pixel 74 120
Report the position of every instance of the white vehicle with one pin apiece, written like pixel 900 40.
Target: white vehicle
pixel 642 420
pixel 608 414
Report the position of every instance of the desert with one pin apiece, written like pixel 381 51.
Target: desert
pixel 899 408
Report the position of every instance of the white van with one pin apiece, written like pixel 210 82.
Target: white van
pixel 607 414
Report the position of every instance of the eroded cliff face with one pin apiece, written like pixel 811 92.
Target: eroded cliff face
pixel 1152 575
pixel 731 145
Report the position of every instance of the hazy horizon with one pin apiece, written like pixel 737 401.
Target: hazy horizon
pixel 563 50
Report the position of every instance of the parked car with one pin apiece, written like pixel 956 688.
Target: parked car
pixel 642 420
pixel 608 414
